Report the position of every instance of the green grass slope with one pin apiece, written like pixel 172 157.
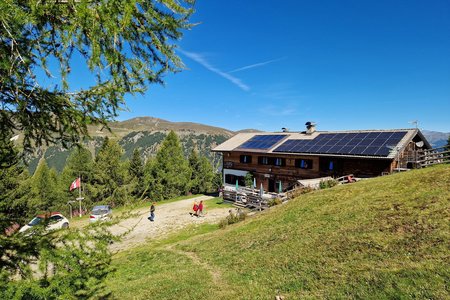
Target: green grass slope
pixel 384 238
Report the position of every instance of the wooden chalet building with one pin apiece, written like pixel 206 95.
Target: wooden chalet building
pixel 282 158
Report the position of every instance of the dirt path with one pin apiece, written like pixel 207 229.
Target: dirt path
pixel 168 218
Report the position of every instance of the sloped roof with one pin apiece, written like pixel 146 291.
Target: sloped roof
pixel 381 144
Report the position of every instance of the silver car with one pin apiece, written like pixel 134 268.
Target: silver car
pixel 100 213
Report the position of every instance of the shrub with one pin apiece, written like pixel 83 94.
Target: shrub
pixel 232 218
pixel 274 201
pixel 325 184
pixel 300 191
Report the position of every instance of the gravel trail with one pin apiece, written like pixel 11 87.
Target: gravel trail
pixel 168 218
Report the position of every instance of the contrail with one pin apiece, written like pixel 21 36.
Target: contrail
pixel 202 61
pixel 256 65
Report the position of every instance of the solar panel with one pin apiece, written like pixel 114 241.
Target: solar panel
pixel 262 141
pixel 351 143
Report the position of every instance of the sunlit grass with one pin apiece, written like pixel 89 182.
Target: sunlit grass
pixel 384 238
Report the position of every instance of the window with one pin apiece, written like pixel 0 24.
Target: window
pixel 246 159
pixel 304 163
pixel 278 161
pixel 263 160
pixel 275 161
pixel 231 179
pixel 327 164
pixel 55 219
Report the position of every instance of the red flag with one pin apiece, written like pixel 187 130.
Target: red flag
pixel 75 184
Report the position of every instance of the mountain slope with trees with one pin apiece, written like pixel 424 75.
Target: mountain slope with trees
pixel 143 135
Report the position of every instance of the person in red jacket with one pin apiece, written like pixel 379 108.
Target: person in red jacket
pixel 195 209
pixel 200 209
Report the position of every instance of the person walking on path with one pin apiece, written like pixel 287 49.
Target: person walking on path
pixel 200 209
pixel 195 209
pixel 152 212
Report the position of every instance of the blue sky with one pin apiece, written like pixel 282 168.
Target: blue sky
pixel 343 64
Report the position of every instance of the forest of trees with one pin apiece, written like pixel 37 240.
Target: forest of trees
pixel 107 179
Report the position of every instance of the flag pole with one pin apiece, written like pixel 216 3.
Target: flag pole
pixel 80 197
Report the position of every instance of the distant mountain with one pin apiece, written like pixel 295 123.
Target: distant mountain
pixel 145 134
pixel 156 124
pixel 435 138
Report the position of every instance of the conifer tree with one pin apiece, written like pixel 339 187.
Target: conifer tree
pixel 202 173
pixel 14 188
pixel 126 45
pixel 44 189
pixel 194 164
pixel 109 174
pixel 170 173
pixel 78 164
pixel 207 174
pixel 136 172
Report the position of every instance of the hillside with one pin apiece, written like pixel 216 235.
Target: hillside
pixel 383 238
pixel 156 124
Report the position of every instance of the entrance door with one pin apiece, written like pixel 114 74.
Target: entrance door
pixel 271 185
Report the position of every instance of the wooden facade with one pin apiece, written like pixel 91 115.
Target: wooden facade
pixel 273 170
pixel 270 175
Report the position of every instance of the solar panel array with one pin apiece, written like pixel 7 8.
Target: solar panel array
pixel 352 143
pixel 262 142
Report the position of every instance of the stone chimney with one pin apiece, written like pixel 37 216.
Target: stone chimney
pixel 310 127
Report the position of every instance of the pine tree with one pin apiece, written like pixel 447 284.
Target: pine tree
pixel 207 175
pixel 194 164
pixel 202 173
pixel 78 164
pixel 109 175
pixel 126 46
pixel 14 190
pixel 170 173
pixel 136 172
pixel 44 189
pixel 136 168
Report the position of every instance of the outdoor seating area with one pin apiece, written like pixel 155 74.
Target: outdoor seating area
pixel 251 198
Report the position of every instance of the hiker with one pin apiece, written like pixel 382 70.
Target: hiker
pixel 200 208
pixel 195 209
pixel 152 212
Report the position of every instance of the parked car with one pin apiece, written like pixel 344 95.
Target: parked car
pixel 101 213
pixel 55 221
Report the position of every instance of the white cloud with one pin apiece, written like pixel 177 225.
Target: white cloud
pixel 202 61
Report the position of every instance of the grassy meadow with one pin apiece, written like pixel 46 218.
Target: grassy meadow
pixel 383 238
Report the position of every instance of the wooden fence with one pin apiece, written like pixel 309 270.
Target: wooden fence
pixel 434 157
pixel 252 198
